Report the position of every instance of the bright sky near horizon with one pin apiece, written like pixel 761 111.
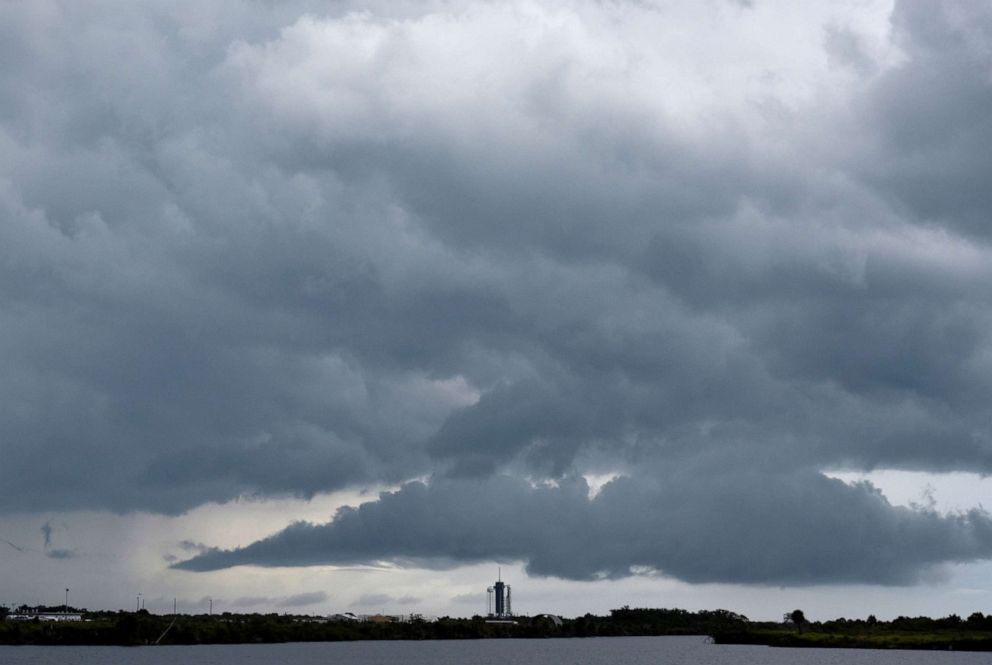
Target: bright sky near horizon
pixel 319 306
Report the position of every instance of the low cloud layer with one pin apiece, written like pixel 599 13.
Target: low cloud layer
pixel 282 249
pixel 800 528
pixel 303 599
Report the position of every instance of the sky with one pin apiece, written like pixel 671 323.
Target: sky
pixel 343 306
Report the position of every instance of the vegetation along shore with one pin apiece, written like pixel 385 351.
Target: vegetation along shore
pixel 724 627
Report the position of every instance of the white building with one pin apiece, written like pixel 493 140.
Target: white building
pixel 46 616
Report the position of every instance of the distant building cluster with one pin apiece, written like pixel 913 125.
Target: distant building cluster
pixel 348 617
pixel 45 616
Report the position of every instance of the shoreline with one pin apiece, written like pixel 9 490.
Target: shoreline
pixel 883 640
pixel 720 626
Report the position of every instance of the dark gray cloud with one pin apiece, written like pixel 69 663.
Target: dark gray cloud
pixel 47 531
pixel 926 129
pixel 193 547
pixel 282 249
pixel 753 527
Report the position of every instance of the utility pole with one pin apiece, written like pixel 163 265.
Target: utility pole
pixel 65 608
pixel 137 603
pixel 211 607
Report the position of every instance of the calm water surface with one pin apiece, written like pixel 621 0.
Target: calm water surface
pixel 590 651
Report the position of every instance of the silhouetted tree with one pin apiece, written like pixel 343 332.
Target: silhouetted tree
pixel 797 617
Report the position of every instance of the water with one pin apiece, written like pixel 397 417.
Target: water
pixel 589 651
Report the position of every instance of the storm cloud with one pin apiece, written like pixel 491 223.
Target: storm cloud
pixel 282 249
pixel 751 527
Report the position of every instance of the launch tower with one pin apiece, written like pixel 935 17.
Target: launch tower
pixel 499 606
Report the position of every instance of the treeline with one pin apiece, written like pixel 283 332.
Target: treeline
pixel 141 628
pixel 49 609
pixel 642 621
pixel 950 632
pixel 130 628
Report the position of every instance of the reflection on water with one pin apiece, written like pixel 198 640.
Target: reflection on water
pixel 589 651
